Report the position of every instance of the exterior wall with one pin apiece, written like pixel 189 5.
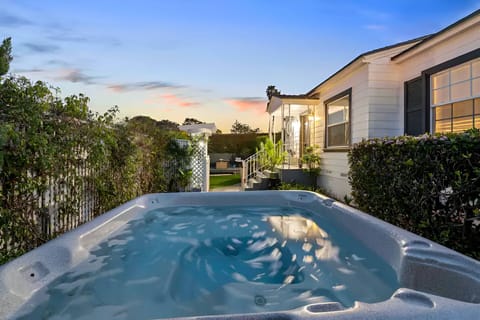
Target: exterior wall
pixel 377 108
pixel 334 175
pixel 412 67
pixel 385 113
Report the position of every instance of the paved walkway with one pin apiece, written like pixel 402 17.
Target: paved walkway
pixel 234 188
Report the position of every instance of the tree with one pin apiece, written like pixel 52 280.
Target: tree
pixel 189 121
pixel 240 128
pixel 167 125
pixel 5 55
pixel 271 91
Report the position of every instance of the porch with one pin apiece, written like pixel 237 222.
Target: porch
pixel 292 120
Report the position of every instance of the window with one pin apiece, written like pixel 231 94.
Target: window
pixel 337 114
pixel 455 98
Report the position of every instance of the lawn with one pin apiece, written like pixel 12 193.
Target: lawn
pixel 217 181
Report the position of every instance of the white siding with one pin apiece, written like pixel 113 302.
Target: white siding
pixel 334 175
pixel 384 104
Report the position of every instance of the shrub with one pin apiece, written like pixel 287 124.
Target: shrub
pixel 296 186
pixel 429 185
pixel 241 145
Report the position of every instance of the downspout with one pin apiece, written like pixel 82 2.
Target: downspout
pixel 283 129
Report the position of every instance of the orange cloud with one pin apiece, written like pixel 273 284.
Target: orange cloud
pixel 248 104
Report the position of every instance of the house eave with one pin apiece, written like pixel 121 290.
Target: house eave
pixel 277 101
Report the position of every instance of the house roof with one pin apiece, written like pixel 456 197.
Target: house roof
pixel 207 128
pixel 366 54
pixel 278 100
pixel 435 35
pixel 291 96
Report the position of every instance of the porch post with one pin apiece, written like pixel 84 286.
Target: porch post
pixel 291 135
pixel 314 124
pixel 270 126
pixel 283 128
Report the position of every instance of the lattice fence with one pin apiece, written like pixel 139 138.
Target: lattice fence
pixel 200 167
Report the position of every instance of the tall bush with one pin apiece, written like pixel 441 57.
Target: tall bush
pixel 429 185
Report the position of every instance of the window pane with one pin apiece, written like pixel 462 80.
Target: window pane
pixel 440 80
pixel 463 108
pixel 476 87
pixel 338 110
pixel 462 124
pixel 337 114
pixel 460 90
pixel 443 112
pixel 337 135
pixel 477 106
pixel 460 73
pixel 443 126
pixel 476 68
pixel 441 95
pixel 477 122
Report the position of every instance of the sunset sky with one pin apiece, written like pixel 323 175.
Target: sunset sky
pixel 207 59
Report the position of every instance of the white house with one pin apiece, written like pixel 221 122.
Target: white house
pixel 429 84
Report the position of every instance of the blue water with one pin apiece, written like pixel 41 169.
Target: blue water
pixel 188 261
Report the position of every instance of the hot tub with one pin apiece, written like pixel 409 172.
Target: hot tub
pixel 261 255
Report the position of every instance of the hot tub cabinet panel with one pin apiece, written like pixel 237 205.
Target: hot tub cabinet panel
pixel 435 282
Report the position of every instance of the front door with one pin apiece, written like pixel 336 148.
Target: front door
pixel 305 133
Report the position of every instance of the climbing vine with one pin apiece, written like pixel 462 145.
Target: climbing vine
pixel 62 164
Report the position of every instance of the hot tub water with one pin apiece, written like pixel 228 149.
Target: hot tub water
pixel 185 261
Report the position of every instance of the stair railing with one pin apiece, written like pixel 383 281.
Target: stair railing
pixel 251 166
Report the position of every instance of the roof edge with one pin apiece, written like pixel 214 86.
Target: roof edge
pixel 366 54
pixel 434 35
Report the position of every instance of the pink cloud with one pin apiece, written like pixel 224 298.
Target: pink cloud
pixel 117 87
pixel 248 104
pixel 175 100
pixel 171 99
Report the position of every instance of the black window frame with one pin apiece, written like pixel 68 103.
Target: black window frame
pixel 426 76
pixel 349 129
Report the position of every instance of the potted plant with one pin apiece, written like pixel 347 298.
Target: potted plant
pixel 271 156
pixel 311 159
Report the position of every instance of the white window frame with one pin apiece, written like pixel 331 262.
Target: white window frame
pixel 449 85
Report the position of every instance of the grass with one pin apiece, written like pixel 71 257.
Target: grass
pixel 218 181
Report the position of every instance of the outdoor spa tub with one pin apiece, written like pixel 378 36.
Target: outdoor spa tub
pixel 243 255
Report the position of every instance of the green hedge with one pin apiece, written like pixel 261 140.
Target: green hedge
pixel 429 185
pixel 241 145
